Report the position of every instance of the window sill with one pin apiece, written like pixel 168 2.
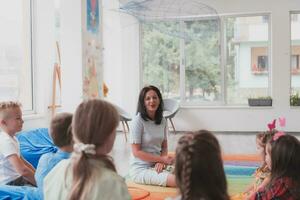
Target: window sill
pixel 225 107
pixel 33 116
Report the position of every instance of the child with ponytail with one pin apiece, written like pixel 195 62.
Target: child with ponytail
pixel 89 173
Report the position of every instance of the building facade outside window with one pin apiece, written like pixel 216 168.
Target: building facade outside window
pixel 295 53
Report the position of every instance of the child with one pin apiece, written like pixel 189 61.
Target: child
pixel 199 168
pixel 60 131
pixel 90 172
pixel 282 157
pixel 14 170
pixel 262 174
pixel 149 141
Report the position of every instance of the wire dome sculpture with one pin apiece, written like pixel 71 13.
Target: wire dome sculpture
pixel 152 11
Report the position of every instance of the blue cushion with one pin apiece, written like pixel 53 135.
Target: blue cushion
pixel 34 143
pixel 8 192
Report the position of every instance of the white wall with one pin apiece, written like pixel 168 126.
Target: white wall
pixel 44 58
pixel 123 72
pixel 121 56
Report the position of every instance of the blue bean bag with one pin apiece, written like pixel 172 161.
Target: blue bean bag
pixel 35 143
pixel 8 192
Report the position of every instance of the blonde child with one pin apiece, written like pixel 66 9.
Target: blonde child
pixel 199 168
pixel 282 157
pixel 14 170
pixel 261 174
pixel 90 172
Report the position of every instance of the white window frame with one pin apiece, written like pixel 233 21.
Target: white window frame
pixel 291 45
pixel 223 61
pixel 33 87
pixel 28 33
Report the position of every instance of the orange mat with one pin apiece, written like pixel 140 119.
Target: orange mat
pixel 241 157
pixel 139 192
pixel 236 157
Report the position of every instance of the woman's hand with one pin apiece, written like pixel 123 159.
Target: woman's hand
pixel 159 167
pixel 168 160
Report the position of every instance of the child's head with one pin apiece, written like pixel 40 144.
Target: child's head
pixel 60 129
pixel 93 127
pixel 11 117
pixel 143 107
pixel 199 168
pixel 94 122
pixel 262 140
pixel 282 157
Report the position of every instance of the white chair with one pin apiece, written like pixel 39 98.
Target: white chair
pixel 124 118
pixel 171 107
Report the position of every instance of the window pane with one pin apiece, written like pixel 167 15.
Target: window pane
pixel 295 53
pixel 247 68
pixel 160 55
pixel 15 52
pixel 202 66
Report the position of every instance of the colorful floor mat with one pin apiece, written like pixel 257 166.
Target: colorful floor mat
pixel 238 169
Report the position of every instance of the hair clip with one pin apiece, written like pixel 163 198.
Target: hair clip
pixel 278 135
pixel 86 148
pixel 282 121
pixel 272 125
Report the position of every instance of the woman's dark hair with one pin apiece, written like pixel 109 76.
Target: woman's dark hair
pixel 199 168
pixel 141 108
pixel 285 160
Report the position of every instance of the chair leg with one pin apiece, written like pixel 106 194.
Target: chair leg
pixel 172 125
pixel 124 130
pixel 127 126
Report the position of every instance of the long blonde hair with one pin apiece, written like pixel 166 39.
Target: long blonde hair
pixel 93 123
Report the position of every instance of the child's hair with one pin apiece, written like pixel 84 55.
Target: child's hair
pixel 141 108
pixel 265 137
pixel 285 160
pixel 199 168
pixel 93 123
pixel 60 129
pixel 5 106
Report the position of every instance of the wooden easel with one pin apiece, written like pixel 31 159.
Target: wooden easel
pixel 56 77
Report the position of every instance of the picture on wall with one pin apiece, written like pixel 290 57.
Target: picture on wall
pixel 93 16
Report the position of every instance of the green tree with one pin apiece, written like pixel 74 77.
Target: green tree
pixel 161 56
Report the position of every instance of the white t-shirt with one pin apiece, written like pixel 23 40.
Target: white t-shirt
pixel 105 183
pixel 8 146
pixel 150 136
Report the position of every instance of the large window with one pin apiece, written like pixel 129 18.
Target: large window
pixel 202 61
pixel 217 61
pixel 295 54
pixel 161 57
pixel 247 58
pixel 15 52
